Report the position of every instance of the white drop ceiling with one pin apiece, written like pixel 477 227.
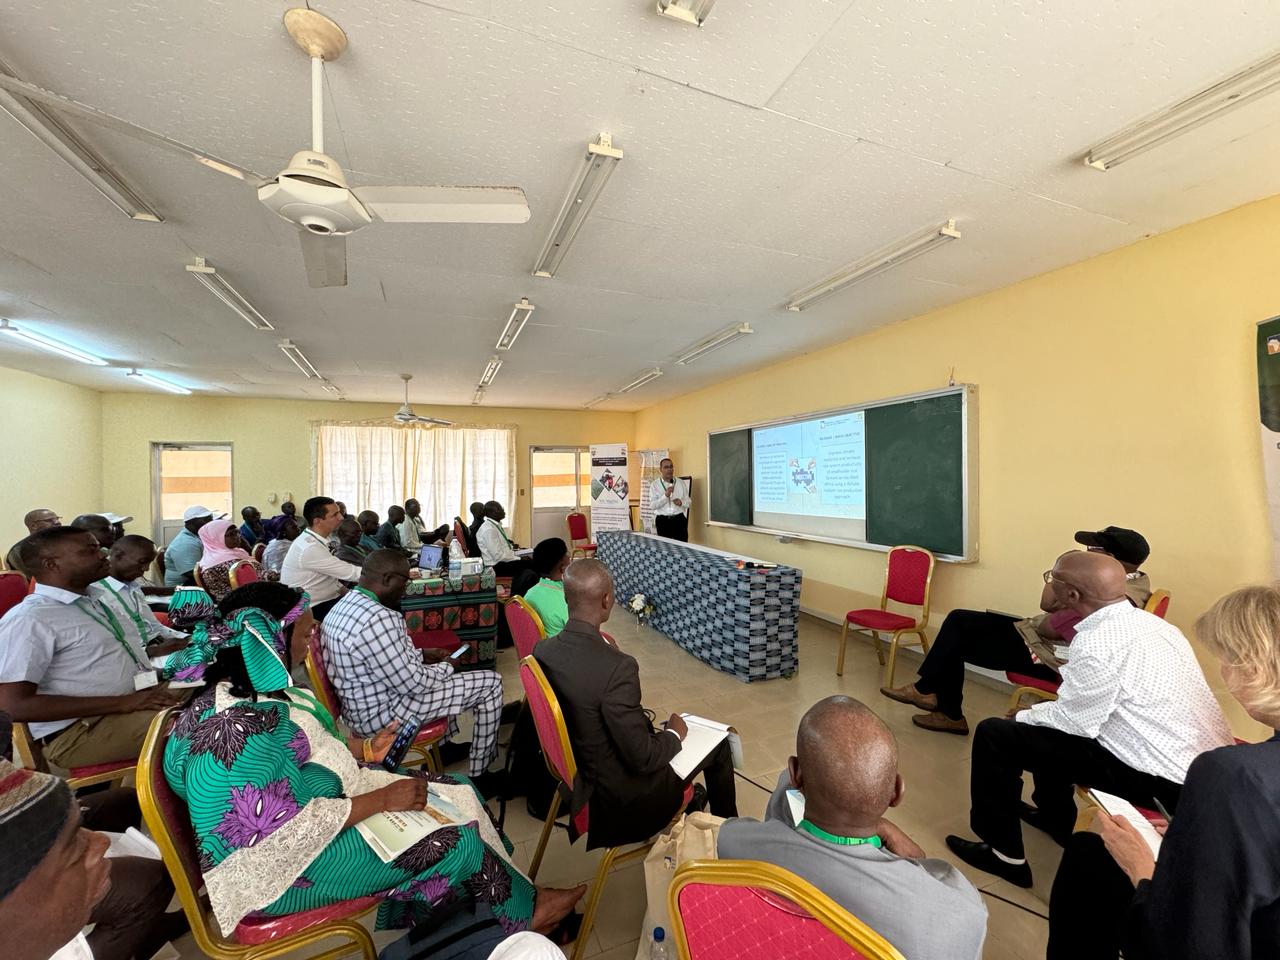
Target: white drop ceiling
pixel 765 150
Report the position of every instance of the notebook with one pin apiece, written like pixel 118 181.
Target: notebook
pixel 704 736
pixel 1120 807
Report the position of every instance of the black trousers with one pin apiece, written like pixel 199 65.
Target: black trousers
pixel 321 610
pixel 1089 904
pixel 673 528
pixel 983 639
pixel 130 921
pixel 1004 749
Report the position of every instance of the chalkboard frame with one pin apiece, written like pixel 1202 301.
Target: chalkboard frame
pixel 968 393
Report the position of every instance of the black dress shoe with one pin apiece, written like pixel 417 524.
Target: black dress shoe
pixel 980 856
pixel 451 753
pixel 698 802
pixel 1034 817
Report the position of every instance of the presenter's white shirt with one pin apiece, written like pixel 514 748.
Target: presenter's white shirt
pixel 311 567
pixel 662 504
pixel 494 546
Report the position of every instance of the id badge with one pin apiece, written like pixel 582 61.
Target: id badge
pixel 145 680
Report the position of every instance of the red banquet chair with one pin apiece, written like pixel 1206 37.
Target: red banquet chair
pixel 580 543
pixel 744 910
pixel 526 626
pixel 13 587
pixel 256 937
pixel 31 753
pixel 241 573
pixel 907 580
pixel 553 736
pixel 459 537
pixel 424 750
pixel 259 550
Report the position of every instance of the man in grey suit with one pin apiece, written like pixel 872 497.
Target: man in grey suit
pixel 845 776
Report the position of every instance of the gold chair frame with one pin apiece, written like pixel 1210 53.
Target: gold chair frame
pixel 766 876
pixel 922 639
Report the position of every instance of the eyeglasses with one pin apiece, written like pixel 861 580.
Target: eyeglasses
pixel 1051 577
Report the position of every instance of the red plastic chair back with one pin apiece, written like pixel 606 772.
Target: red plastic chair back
pixel 549 721
pixel 908 577
pixel 259 549
pixel 578 526
pixel 13 587
pixel 459 537
pixel 1162 606
pixel 241 573
pixel 743 923
pixel 525 632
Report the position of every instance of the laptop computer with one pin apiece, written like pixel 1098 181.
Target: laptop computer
pixel 429 556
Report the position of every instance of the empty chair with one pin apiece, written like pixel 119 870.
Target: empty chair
pixel 907 580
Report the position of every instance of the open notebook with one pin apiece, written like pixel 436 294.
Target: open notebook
pixel 1120 807
pixel 704 736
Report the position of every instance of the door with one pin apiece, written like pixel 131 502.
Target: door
pixel 560 482
pixel 186 475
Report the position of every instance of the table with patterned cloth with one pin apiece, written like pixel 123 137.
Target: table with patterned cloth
pixel 743 622
pixel 466 605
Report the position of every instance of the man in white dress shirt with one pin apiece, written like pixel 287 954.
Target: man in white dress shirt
pixel 496 549
pixel 310 566
pixel 1132 713
pixel 68 666
pixel 670 498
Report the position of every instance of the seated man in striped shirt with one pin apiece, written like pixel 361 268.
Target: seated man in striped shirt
pixel 380 676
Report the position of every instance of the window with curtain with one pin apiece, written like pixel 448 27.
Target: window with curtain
pixel 371 466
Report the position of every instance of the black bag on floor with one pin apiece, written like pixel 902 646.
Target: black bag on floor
pixel 460 931
pixel 529 774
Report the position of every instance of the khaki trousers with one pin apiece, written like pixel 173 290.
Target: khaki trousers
pixel 92 740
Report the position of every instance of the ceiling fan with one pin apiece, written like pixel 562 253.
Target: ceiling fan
pixel 312 192
pixel 406 415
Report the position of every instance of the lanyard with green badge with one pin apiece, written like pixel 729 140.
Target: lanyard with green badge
pixel 498 527
pixel 816 831
pixel 131 610
pixel 146 675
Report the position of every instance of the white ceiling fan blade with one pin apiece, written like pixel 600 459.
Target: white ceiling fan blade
pixel 445 204
pixel 82 111
pixel 325 259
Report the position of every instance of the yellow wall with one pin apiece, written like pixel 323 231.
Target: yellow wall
pixel 271 442
pixel 51 438
pixel 1121 390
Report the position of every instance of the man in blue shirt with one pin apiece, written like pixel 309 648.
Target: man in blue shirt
pixel 252 530
pixel 184 550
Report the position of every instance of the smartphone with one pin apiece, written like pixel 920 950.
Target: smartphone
pixel 460 652
pixel 400 745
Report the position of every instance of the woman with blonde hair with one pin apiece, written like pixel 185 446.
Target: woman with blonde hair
pixel 1215 890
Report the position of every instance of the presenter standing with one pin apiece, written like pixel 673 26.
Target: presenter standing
pixel 670 496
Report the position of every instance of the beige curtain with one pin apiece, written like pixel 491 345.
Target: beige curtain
pixel 369 466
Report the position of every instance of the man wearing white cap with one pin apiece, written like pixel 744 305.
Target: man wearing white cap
pixel 184 550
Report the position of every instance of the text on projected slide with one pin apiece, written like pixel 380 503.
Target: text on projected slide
pixel 812 469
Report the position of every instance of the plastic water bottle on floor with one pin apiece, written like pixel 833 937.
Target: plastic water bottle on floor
pixel 659 949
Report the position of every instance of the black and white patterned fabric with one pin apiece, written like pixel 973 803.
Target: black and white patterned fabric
pixel 743 622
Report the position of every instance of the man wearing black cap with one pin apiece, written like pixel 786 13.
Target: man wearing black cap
pixel 1000 641
pixel 1131 549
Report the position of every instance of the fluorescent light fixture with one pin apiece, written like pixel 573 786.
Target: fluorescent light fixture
pixel 641 380
pixel 600 399
pixel 300 360
pixel 687 11
pixel 1219 99
pixel 490 371
pixel 54 346
pixel 886 258
pixel 593 173
pixel 216 284
pixel 714 342
pixel 329 386
pixel 156 382
pixel 520 315
pixel 76 154
pixel 479 395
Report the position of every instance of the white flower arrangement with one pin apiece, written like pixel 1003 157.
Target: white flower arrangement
pixel 641 607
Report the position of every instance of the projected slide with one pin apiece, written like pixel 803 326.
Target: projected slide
pixel 810 476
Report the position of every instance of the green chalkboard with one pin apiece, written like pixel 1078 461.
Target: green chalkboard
pixel 916 473
pixel 729 476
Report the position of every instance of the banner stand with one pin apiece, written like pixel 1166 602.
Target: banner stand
pixel 610 488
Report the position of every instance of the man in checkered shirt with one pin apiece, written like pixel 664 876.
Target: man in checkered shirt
pixel 380 676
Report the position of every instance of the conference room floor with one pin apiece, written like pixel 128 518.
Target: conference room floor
pixel 934 766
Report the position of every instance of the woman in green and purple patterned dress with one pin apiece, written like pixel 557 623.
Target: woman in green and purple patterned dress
pixel 275 792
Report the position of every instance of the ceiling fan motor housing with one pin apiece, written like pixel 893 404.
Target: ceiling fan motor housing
pixel 312 193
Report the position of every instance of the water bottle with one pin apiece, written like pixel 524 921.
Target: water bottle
pixel 659 949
